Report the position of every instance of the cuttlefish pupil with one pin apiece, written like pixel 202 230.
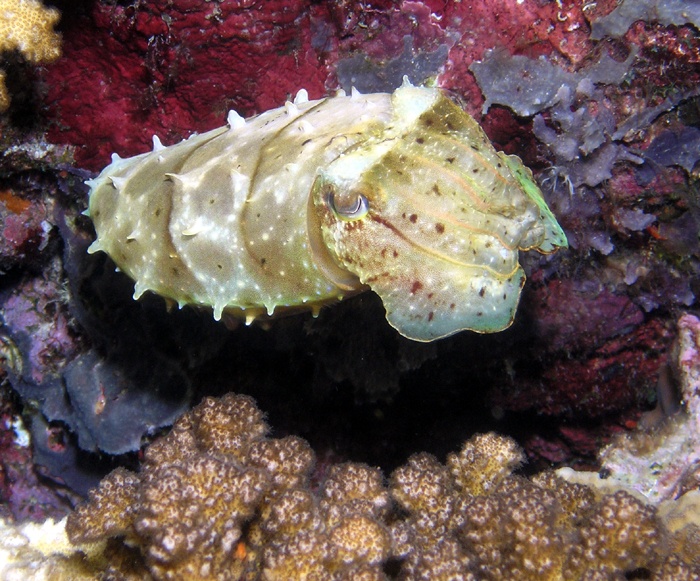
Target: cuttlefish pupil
pixel 350 206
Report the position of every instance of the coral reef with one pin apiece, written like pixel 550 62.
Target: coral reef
pixel 218 499
pixel 41 552
pixel 28 27
pixel 24 496
pixel 221 447
pixel 137 70
pixel 661 460
pixel 70 380
pixel 580 364
pixel 667 12
pixel 612 175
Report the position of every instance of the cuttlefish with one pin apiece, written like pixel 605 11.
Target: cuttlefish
pixel 401 193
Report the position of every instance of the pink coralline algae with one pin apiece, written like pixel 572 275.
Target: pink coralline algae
pixel 597 350
pixel 25 228
pixel 40 325
pixel 171 68
pixel 132 71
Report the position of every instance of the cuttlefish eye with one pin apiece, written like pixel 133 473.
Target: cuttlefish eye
pixel 347 206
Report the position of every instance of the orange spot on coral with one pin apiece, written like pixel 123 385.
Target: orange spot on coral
pixel 14 203
pixel 655 233
pixel 241 551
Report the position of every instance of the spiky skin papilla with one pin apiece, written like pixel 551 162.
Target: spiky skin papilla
pixel 317 200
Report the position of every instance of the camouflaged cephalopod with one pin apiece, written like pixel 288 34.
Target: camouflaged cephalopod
pixel 303 205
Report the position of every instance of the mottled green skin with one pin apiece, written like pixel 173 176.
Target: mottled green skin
pixel 314 201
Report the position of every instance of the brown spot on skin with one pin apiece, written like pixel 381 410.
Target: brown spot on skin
pixel 430 316
pixel 395 254
pixel 354 225
pixel 430 295
pixel 450 160
pixel 175 271
pixel 157 212
pixel 436 191
pixel 439 228
pixel 504 296
pixel 482 291
pixel 452 305
pixel 416 287
pixel 263 261
pixel 413 218
pixel 371 279
pixel 479 314
pixel 420 140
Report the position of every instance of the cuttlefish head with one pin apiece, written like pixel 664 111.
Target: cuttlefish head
pixel 431 218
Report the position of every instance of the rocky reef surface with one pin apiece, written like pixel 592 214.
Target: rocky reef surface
pixel 600 100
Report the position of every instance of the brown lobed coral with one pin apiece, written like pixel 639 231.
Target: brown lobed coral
pixel 27 26
pixel 218 499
